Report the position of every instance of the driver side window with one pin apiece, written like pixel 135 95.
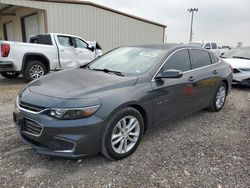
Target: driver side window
pixel 179 60
pixel 80 43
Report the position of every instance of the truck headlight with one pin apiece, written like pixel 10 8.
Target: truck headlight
pixel 73 113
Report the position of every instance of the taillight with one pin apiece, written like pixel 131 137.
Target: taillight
pixel 5 50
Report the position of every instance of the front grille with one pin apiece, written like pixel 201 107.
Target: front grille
pixel 30 107
pixel 32 127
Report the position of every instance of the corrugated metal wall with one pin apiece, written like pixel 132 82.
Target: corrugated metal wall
pixel 92 23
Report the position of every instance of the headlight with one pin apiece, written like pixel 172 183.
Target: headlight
pixel 73 113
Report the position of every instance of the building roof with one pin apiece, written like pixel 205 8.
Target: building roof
pixel 105 8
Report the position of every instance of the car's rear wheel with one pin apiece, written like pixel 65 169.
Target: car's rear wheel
pixel 34 70
pixel 10 75
pixel 122 134
pixel 219 98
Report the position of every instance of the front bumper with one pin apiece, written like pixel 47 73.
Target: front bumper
pixel 7 66
pixel 245 82
pixel 62 138
pixel 241 79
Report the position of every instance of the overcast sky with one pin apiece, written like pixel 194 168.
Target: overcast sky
pixel 224 21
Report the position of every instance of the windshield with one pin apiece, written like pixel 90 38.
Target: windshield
pixel 197 44
pixel 243 53
pixel 128 60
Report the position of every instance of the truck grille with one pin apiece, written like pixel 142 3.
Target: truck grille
pixel 32 127
pixel 30 107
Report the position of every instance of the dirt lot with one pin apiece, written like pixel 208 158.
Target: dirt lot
pixel 204 150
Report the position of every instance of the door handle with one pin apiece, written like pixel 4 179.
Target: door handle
pixel 215 72
pixel 191 79
pixel 61 50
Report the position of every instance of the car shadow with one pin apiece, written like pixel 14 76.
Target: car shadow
pixel 240 87
pixel 14 81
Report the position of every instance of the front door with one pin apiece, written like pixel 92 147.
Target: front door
pixel 173 96
pixel 83 54
pixel 67 52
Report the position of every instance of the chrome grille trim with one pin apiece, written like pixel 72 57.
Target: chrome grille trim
pixel 28 110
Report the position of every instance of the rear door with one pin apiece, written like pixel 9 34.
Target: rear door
pixel 172 97
pixel 203 74
pixel 83 54
pixel 67 51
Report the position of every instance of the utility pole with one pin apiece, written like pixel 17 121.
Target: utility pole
pixel 192 10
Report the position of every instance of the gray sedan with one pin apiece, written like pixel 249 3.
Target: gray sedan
pixel 107 105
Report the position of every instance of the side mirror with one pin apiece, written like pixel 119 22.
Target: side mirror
pixel 208 47
pixel 91 48
pixel 171 73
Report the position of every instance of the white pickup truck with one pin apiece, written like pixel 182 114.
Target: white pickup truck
pixel 44 53
pixel 212 46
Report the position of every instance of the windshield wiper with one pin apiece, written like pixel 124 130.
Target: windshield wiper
pixel 109 71
pixel 240 57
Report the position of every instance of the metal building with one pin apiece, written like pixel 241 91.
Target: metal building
pixel 111 28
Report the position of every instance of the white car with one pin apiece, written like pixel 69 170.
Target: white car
pixel 212 46
pixel 45 53
pixel 239 59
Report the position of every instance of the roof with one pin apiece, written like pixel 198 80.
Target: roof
pixel 105 8
pixel 164 46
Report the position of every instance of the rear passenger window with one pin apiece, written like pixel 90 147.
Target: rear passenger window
pixel 43 39
pixel 214 45
pixel 65 41
pixel 199 58
pixel 179 61
pixel 214 58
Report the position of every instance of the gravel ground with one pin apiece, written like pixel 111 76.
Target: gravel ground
pixel 204 150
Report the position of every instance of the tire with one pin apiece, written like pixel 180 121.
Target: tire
pixel 10 75
pixel 34 70
pixel 112 129
pixel 221 95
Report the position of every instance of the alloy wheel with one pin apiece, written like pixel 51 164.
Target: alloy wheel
pixel 220 97
pixel 36 72
pixel 125 134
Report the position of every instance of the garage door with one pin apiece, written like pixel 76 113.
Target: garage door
pixel 8 31
pixel 30 27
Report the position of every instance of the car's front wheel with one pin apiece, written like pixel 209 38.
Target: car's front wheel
pixel 122 134
pixel 219 98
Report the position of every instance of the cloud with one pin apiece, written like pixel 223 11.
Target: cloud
pixel 223 21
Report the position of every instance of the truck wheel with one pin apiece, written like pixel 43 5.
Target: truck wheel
pixel 34 70
pixel 10 75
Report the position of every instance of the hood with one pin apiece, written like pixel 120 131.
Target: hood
pixel 79 84
pixel 238 63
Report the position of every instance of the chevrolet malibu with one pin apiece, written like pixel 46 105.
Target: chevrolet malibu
pixel 107 105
